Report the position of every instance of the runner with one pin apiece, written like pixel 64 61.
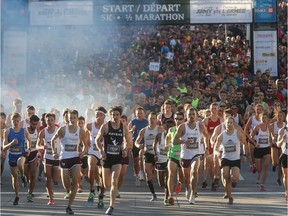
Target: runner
pixel 51 165
pixel 261 140
pixel 94 156
pixel 251 123
pixel 282 143
pixel 188 135
pixel 3 153
pixel 17 108
pixel 161 158
pixel 125 161
pixel 275 151
pixel 32 160
pixel 71 136
pixel 14 140
pixel 228 146
pixel 210 164
pixel 148 134
pixel 174 157
pixel 113 132
pixel 135 126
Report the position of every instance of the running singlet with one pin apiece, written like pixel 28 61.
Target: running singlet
pixel 285 147
pixel 193 148
pixel 164 119
pixel 139 125
pixel 263 138
pixel 93 150
pixel 19 148
pixel 69 144
pixel 174 151
pixel 161 151
pixel 212 125
pixel 33 138
pixel 230 146
pixel 113 141
pixel 149 137
pixel 47 144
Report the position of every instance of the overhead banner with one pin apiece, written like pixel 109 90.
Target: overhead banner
pixel 265 11
pixel 220 11
pixel 142 12
pixel 61 13
pixel 265 51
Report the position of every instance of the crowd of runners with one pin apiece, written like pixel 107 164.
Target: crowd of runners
pixel 205 110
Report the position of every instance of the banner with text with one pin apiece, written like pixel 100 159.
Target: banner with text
pixel 142 12
pixel 221 11
pixel 61 13
pixel 264 11
pixel 265 51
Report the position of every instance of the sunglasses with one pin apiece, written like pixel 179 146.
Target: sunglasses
pixel 178 119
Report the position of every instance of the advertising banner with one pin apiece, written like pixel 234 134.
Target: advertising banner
pixel 221 11
pixel 142 12
pixel 61 13
pixel 265 51
pixel 264 11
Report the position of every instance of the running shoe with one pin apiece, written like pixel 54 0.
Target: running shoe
pixel 67 195
pixel 230 202
pixel 204 184
pixel 178 188
pixel 29 198
pixel 109 211
pixel 69 211
pixel 141 175
pixel 257 181
pixel 216 182
pixel 171 200
pixel 251 168
pixel 213 188
pixel 100 204
pixel 16 200
pixel 262 188
pixel 166 202
pixel 195 194
pixel 51 202
pixel 187 194
pixel 225 196
pixel 154 197
pixel 91 197
pixel 118 195
pixel 80 189
pixel 24 181
pixel 192 199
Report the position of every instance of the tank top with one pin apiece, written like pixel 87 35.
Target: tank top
pixel 161 152
pixel 263 138
pixel 174 151
pixel 276 130
pixel 33 138
pixel 113 141
pixel 212 125
pixel 149 137
pixel 236 119
pixel 47 143
pixel 192 149
pixel 69 144
pixel 19 148
pixel 254 122
pixel 284 148
pixel 139 126
pixel 164 119
pixel 93 150
pixel 230 146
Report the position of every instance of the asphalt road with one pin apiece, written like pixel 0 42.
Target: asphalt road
pixel 248 200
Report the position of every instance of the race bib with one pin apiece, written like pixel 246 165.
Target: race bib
pixel 15 149
pixel 33 144
pixel 113 150
pixel 70 148
pixel 263 141
pixel 193 143
pixel 230 148
pixel 95 147
pixel 49 151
